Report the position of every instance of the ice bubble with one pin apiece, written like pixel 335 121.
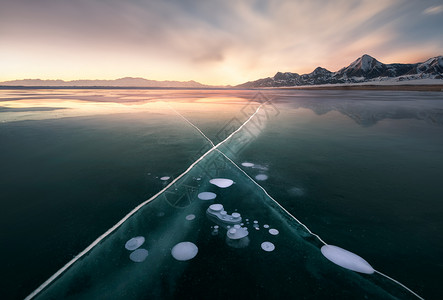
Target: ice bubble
pixel 267 246
pixel 138 255
pixel 247 164
pixel 236 215
pixel 237 233
pixel 164 178
pixel 206 196
pixel 261 177
pixel 134 243
pixel 346 259
pixel 216 207
pixel 190 217
pixel 255 222
pixel 266 226
pixel 184 251
pixel 221 182
pixel 273 231
pixel 198 179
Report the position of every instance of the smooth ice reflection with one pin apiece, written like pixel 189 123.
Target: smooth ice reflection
pixel 134 243
pixel 268 246
pixel 346 259
pixel 184 251
pixel 138 255
pixel 261 177
pixel 207 196
pixel 221 182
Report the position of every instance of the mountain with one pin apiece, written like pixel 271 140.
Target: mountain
pixel 121 82
pixel 363 69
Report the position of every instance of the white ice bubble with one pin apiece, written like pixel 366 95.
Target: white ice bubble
pixel 206 196
pixel 221 182
pixel 190 217
pixel 216 208
pixel 164 178
pixel 346 259
pixel 267 246
pixel 247 164
pixel 273 231
pixel 266 226
pixel 255 222
pixel 237 232
pixel 184 251
pixel 261 177
pixel 134 243
pixel 138 255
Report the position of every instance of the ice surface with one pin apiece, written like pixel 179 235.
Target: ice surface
pixel 346 259
pixel 138 255
pixel 221 182
pixel 184 251
pixel 261 177
pixel 134 243
pixel 207 196
pixel 267 246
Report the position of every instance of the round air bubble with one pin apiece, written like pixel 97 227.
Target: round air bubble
pixel 221 182
pixel 134 243
pixel 184 251
pixel 138 255
pixel 346 259
pixel 268 246
pixel 266 226
pixel 216 207
pixel 190 217
pixel 236 215
pixel 261 177
pixel 164 178
pixel 247 164
pixel 273 231
pixel 206 196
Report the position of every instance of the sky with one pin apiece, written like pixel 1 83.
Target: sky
pixel 212 42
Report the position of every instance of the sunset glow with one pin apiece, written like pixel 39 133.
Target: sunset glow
pixel 212 42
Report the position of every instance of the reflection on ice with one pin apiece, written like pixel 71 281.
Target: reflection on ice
pixel 138 255
pixel 134 243
pixel 221 182
pixel 207 196
pixel 184 251
pixel 346 259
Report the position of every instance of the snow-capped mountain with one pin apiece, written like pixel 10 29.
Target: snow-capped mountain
pixel 363 69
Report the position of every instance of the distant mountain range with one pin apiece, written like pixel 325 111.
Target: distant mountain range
pixel 363 69
pixel 121 82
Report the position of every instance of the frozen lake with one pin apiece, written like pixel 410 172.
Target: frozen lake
pixel 360 169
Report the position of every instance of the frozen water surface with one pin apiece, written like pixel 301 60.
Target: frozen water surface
pixel 218 247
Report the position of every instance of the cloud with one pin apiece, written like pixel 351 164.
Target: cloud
pixel 433 10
